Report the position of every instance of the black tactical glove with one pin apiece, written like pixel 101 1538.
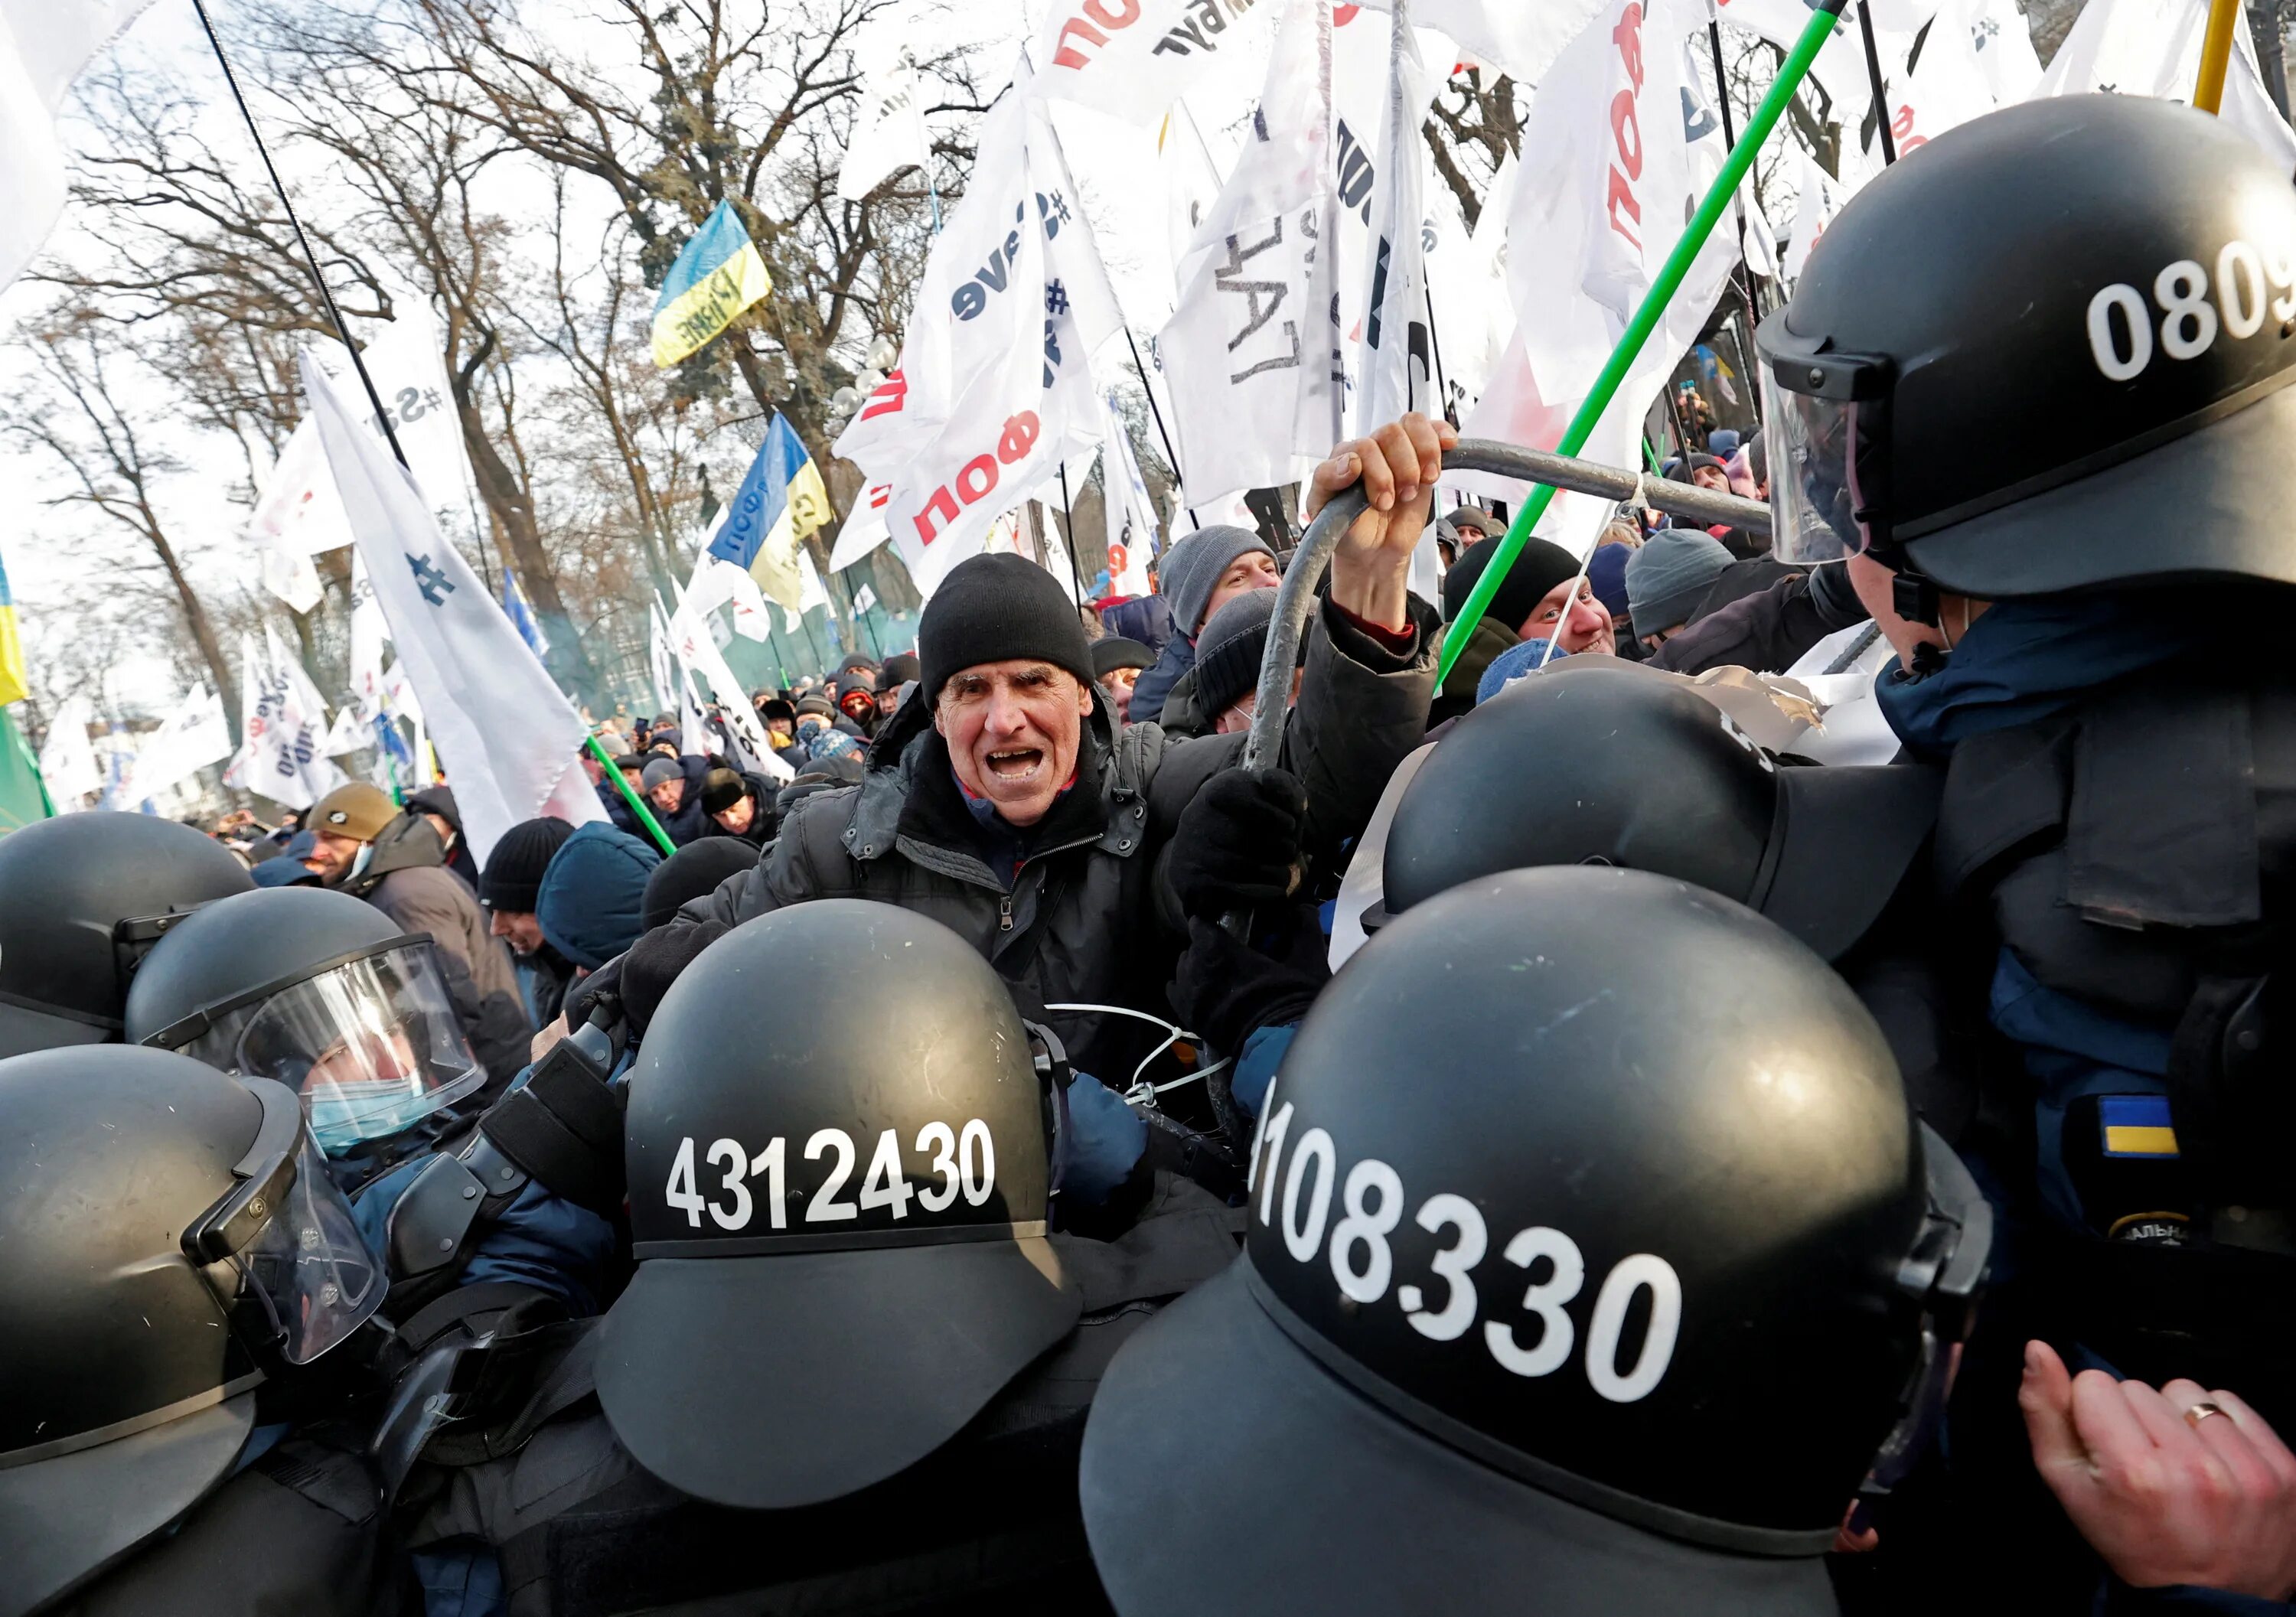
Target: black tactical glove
pixel 1237 843
pixel 1227 990
pixel 655 960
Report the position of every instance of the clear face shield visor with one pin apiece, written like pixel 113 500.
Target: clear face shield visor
pixel 281 1250
pixel 371 1044
pixel 1825 431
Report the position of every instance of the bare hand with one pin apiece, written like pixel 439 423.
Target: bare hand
pixel 549 1036
pixel 1397 466
pixel 2164 1501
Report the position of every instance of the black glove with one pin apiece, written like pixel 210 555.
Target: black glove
pixel 654 961
pixel 1227 990
pixel 1237 843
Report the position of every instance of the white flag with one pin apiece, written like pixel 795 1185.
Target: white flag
pixel 283 726
pixel 690 642
pixel 1395 370
pixel 864 598
pixel 865 526
pixel 1521 37
pixel 189 739
pixel 1628 145
pixel 1130 515
pixel 505 731
pixel 1131 59
pixel 2153 47
pixel 889 129
pixel 994 386
pixel 68 758
pixel 406 360
pixel 1251 353
pixel 42 48
pixel 1819 201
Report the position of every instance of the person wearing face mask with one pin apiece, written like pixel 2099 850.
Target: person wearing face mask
pixel 1002 801
pixel 1200 574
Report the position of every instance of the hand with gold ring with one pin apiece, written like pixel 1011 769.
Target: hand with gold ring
pixel 2162 1489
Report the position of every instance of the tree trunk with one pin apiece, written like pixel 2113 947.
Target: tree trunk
pixel 195 614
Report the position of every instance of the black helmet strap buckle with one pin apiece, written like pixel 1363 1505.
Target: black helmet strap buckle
pixel 1051 1059
pixel 1944 1274
pixel 1912 596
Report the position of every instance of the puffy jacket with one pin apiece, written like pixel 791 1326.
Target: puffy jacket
pixel 1085 918
pixel 591 904
pixel 406 879
pixel 1147 619
pixel 1183 714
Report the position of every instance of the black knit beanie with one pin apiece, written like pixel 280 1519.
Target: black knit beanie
pixel 998 608
pixel 1230 650
pixel 693 870
pixel 1539 569
pixel 512 878
pixel 900 668
pixel 721 789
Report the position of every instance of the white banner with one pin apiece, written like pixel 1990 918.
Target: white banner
pixel 2153 47
pixel 1521 37
pixel 889 129
pixel 505 731
pixel 1131 59
pixel 1628 145
pixel 283 726
pixel 689 642
pixel 1130 515
pixel 68 762
pixel 43 47
pixel 192 737
pixel 1252 354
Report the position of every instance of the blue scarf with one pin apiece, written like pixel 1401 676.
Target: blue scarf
pixel 2026 659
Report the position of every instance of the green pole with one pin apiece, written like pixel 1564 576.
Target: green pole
pixel 1650 453
pixel 1814 36
pixel 637 804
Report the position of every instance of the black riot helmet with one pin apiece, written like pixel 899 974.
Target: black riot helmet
pixel 1594 1263
pixel 169 1236
pixel 319 991
pixel 81 897
pixel 2048 351
pixel 1603 762
pixel 839 1217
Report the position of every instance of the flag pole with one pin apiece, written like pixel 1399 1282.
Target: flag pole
pixel 622 785
pixel 1874 78
pixel 2215 55
pixel 381 415
pixel 1814 36
pixel 1172 459
pixel 1067 510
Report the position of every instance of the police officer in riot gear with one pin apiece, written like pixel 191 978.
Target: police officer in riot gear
pixel 321 993
pixel 2035 385
pixel 173 1256
pixel 856 1357
pixel 1595 1263
pixel 82 897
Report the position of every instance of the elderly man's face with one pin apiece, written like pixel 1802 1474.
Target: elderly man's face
pixel 1710 477
pixel 736 819
pixel 1585 628
pixel 667 796
pixel 1253 569
pixel 1014 730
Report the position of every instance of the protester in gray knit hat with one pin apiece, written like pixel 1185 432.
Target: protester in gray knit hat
pixel 1668 577
pixel 1200 575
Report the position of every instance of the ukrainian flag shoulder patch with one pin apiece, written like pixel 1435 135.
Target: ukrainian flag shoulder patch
pixel 2137 1126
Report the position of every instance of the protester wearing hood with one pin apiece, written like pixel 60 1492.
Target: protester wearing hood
pixel 1200 574
pixel 366 847
pixel 1536 598
pixel 508 890
pixel 591 904
pixel 666 740
pixel 1667 580
pixel 1118 663
pixel 673 791
pixel 436 805
pixel 1004 802
pixel 739 804
pixel 857 697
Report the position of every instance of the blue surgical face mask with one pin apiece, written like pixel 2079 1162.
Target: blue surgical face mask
pixel 343 1115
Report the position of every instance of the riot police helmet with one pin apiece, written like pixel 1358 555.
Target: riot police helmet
pixel 170 1237
pixel 1603 762
pixel 321 992
pixel 839 1218
pixel 1594 1263
pixel 2049 350
pixel 82 896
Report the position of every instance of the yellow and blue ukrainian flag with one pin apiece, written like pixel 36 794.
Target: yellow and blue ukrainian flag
pixel 14 687
pixel 718 274
pixel 782 500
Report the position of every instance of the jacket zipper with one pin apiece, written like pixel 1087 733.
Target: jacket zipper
pixel 1004 913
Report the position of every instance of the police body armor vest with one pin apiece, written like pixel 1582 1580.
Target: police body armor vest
pixel 2136 855
pixel 988 1522
pixel 300 1529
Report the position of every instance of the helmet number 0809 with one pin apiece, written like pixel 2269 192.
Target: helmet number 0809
pixel 1537 1342
pixel 2247 285
pixel 964 1159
